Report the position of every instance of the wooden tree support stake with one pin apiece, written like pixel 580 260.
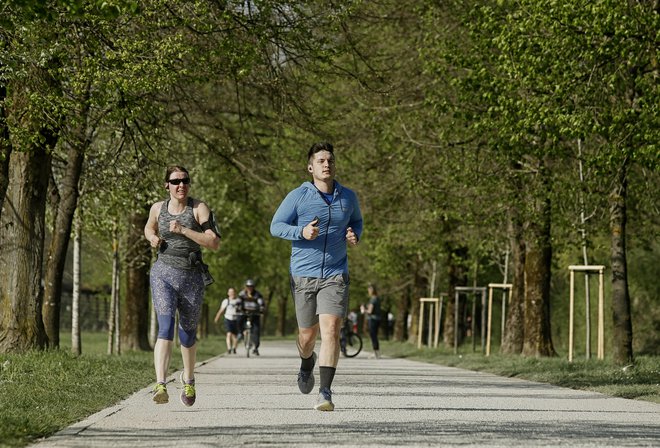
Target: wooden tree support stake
pixel 506 287
pixel 601 320
pixel 435 313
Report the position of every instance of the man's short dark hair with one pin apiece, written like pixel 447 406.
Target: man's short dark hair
pixel 318 147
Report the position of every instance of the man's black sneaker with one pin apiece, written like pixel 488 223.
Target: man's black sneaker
pixel 306 378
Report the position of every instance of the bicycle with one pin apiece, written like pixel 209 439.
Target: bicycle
pixel 350 343
pixel 248 332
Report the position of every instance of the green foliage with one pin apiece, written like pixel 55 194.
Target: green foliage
pixel 50 10
pixel 435 109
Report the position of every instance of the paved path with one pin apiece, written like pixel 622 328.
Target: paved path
pixel 386 402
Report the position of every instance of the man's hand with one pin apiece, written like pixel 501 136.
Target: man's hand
pixel 351 237
pixel 311 230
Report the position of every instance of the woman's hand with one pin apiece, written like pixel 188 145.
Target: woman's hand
pixel 154 240
pixel 175 227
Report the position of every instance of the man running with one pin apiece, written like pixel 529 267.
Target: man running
pixel 319 218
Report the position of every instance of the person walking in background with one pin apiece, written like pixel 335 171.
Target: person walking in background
pixel 230 307
pixel 253 307
pixel 179 226
pixel 390 324
pixel 372 311
pixel 320 218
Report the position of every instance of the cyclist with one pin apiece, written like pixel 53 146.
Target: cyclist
pixel 231 307
pixel 353 319
pixel 350 342
pixel 253 304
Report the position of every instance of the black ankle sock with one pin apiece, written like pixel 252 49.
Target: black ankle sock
pixel 307 364
pixel 327 375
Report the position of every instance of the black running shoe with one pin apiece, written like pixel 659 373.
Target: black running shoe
pixel 306 378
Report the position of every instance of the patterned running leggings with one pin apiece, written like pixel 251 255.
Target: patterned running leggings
pixel 175 289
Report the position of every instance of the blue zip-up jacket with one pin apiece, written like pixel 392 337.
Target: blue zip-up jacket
pixel 326 255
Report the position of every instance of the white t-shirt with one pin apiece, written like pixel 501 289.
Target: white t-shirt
pixel 232 308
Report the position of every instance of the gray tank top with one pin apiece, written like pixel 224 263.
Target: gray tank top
pixel 175 248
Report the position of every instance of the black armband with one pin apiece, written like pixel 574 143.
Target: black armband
pixel 211 225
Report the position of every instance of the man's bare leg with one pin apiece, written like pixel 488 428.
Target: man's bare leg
pixel 330 326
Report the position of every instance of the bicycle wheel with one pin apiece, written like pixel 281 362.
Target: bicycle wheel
pixel 353 345
pixel 248 340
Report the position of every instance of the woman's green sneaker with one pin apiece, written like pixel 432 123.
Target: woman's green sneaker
pixel 188 393
pixel 160 393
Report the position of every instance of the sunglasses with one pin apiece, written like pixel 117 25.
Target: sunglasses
pixel 185 180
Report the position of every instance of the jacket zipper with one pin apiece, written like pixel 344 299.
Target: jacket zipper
pixel 325 239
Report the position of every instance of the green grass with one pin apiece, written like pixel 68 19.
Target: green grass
pixel 42 392
pixel 641 381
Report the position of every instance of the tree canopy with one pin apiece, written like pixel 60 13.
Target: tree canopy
pixel 457 123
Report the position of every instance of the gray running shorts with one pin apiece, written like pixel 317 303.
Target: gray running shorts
pixel 313 296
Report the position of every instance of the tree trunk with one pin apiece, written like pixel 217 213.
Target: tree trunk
pixel 623 332
pixel 135 313
pixel 266 316
pixel 418 290
pixel 59 243
pixel 538 258
pixel 401 319
pixel 5 147
pixel 114 297
pixel 21 241
pixel 514 333
pixel 5 143
pixel 116 313
pixel 76 347
pixel 456 257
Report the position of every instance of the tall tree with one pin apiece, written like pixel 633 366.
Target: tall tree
pixel 31 126
pixel 454 331
pixel 39 37
pixel 623 330
pixel 538 261
pixel 76 341
pixel 63 211
pixel 101 50
pixel 22 242
pixel 5 143
pixel 514 335
pixel 135 312
pixel 608 94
